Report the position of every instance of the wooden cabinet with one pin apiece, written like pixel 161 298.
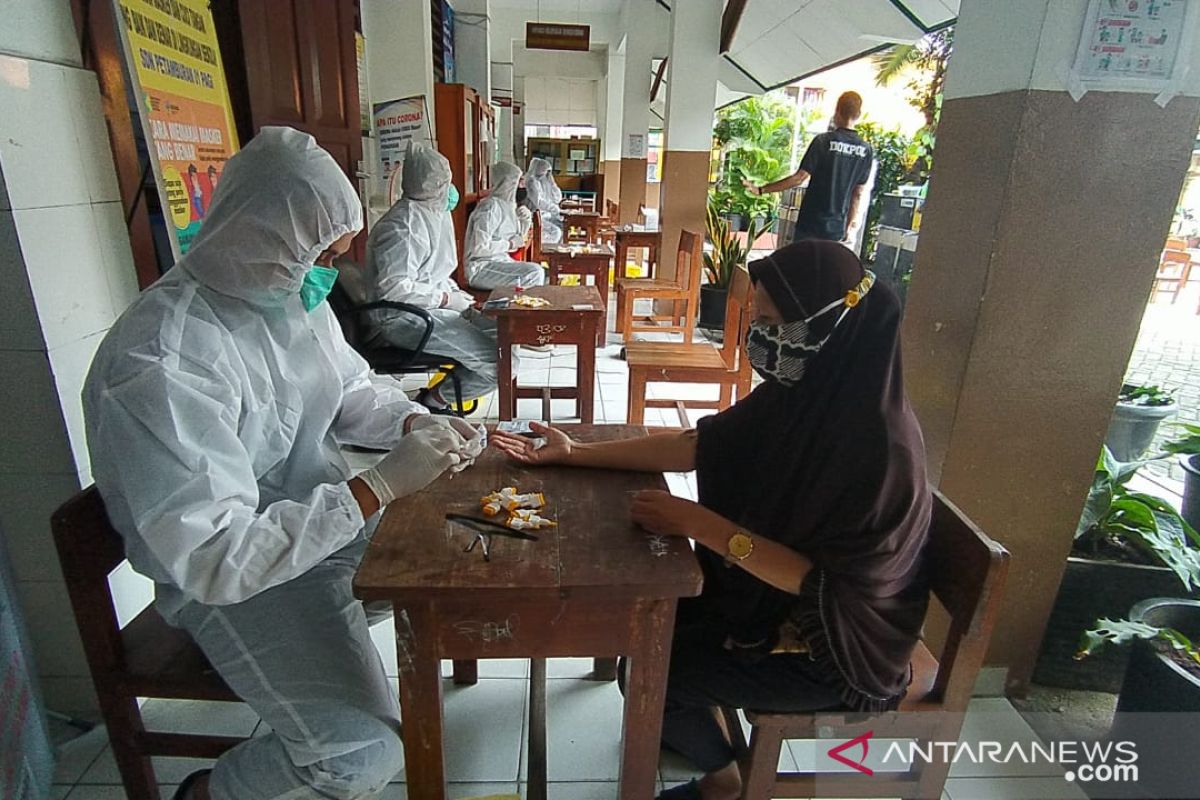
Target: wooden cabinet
pixel 574 157
pixel 466 136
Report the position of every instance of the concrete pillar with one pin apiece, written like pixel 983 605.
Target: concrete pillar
pixel 399 50
pixel 610 132
pixel 68 273
pixel 472 46
pixel 635 113
pixel 695 41
pixel 519 122
pixel 1038 247
pixel 502 78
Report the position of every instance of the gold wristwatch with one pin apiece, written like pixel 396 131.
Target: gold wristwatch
pixel 739 547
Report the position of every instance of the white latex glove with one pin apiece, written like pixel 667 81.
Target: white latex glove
pixel 516 242
pixel 421 456
pixel 474 436
pixel 525 217
pixel 459 301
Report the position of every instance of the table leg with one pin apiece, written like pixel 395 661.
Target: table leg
pixel 602 287
pixel 622 257
pixel 466 672
pixel 420 702
pixel 504 376
pixel 649 659
pixel 536 770
pixel 604 669
pixel 585 368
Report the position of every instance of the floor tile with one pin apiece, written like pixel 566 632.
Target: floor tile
pixel 59 792
pixel 810 755
pixel 168 770
pixel 454 791
pixel 199 716
pixel 1013 788
pixel 994 719
pixel 583 730
pixel 568 667
pixel 98 793
pixel 484 729
pixel 494 668
pixel 77 755
pixel 581 790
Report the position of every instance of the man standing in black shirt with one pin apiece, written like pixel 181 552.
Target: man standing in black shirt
pixel 836 167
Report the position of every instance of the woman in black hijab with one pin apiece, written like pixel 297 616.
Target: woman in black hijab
pixel 812 518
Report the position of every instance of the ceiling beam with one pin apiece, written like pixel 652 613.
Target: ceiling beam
pixel 658 79
pixel 729 23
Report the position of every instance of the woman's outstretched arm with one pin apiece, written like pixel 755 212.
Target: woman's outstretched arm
pixel 673 451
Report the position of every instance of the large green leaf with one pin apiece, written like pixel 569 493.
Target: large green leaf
pixel 1108 631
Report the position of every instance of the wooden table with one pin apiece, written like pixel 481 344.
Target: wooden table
pixel 589 221
pixel 559 323
pixel 593 260
pixel 594 586
pixel 628 238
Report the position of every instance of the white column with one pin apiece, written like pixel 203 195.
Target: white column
pixel 399 50
pixel 502 80
pixel 694 60
pixel 519 122
pixel 472 46
pixel 639 54
pixel 610 134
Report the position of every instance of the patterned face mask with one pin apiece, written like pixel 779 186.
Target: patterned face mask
pixel 780 352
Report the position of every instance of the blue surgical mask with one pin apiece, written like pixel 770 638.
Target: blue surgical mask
pixel 318 283
pixel 452 199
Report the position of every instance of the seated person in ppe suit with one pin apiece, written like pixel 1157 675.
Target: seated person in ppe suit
pixel 545 196
pixel 411 258
pixel 496 228
pixel 216 409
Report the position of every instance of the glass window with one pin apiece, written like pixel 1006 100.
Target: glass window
pixel 654 154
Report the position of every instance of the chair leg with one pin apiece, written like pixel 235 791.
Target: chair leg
pixel 466 672
pixel 124 722
pixel 759 770
pixel 619 325
pixel 689 320
pixel 726 398
pixel 636 409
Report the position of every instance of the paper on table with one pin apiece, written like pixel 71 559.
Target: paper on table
pixel 583 307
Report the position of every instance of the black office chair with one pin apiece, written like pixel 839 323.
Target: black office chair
pixel 355 319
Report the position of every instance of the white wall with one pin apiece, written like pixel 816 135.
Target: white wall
pixel 560 101
pixel 472 47
pixel 67 273
pixel 399 49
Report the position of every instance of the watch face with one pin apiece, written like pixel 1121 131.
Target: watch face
pixel 740 545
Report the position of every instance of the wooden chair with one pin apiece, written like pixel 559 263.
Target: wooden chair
pixel 654 362
pixel 1174 270
pixel 683 292
pixel 967 572
pixel 146 658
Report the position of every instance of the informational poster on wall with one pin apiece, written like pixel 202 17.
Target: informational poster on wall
pixel 636 145
pixel 172 51
pixel 1136 45
pixel 397 122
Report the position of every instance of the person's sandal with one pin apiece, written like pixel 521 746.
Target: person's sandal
pixel 185 788
pixel 684 791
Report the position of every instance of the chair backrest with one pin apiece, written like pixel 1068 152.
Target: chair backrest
pixel 688 262
pixel 737 318
pixel 1174 263
pixel 89 549
pixel 1175 243
pixel 967 573
pixel 535 239
pixel 343 308
pixel 612 211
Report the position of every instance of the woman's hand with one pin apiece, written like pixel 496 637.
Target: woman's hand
pixel 662 513
pixel 556 450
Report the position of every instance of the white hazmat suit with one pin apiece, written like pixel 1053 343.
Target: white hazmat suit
pixel 545 197
pixel 215 409
pixel 496 229
pixel 411 257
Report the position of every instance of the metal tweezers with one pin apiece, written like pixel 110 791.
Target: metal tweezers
pixel 485 529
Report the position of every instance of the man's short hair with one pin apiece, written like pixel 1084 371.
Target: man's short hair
pixel 849 105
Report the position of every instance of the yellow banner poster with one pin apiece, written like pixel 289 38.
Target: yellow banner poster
pixel 173 53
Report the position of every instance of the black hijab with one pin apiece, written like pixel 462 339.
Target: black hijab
pixel 833 467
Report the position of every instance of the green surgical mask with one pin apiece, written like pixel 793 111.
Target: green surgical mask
pixel 452 199
pixel 318 282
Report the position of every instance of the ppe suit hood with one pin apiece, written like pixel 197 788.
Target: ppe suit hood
pixel 539 167
pixel 426 176
pixel 505 179
pixel 280 203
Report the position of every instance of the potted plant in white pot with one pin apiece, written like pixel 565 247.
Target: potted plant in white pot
pixel 1136 418
pixel 727 254
pixel 1128 546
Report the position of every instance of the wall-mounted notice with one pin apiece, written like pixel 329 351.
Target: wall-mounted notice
pixel 1134 45
pixel 397 122
pixel 172 52
pixel 636 146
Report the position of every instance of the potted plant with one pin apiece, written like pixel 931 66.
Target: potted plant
pixel 1135 420
pixel 1187 449
pixel 1132 546
pixel 727 254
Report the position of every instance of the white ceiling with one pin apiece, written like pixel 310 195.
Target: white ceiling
pixel 561 6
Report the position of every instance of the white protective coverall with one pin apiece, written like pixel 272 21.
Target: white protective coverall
pixel 495 230
pixel 215 411
pixel 411 257
pixel 545 196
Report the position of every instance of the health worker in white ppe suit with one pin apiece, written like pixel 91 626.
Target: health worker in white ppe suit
pixel 216 409
pixel 411 258
pixel 545 197
pixel 497 227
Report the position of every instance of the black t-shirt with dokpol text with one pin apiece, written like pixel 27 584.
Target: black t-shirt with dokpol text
pixel 837 161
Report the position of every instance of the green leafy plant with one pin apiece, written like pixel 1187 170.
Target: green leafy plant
pixel 728 253
pixel 1188 444
pixel 1135 526
pixel 1137 395
pixel 755 137
pixel 929 57
pixel 891 152
pixel 1123 631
